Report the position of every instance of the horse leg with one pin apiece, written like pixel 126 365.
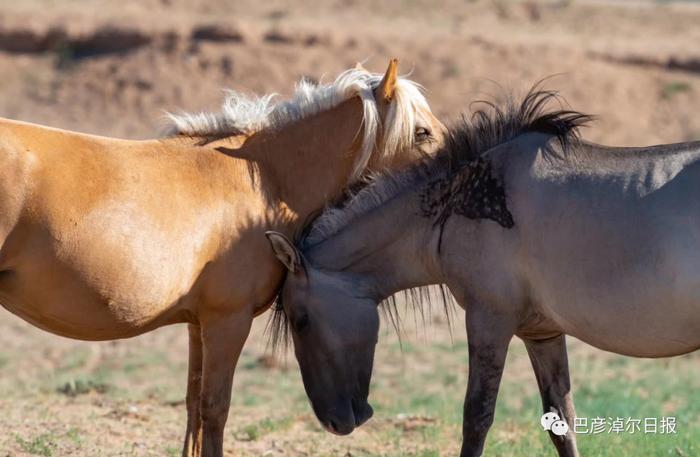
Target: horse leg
pixel 488 344
pixel 223 338
pixel 551 365
pixel 193 436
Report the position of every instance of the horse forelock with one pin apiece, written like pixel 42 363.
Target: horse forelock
pixel 247 114
pixel 279 332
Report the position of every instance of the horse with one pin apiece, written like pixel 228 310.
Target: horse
pixel 107 238
pixel 537 234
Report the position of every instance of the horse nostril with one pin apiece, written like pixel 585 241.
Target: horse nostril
pixel 333 426
pixel 338 428
pixel 363 415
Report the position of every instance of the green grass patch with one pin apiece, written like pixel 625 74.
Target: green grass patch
pixel 673 88
pixel 42 445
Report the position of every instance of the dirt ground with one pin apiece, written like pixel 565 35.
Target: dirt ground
pixel 113 68
pixel 636 65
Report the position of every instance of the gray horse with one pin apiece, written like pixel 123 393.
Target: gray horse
pixel 535 232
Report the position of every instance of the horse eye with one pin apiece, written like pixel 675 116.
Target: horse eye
pixel 422 134
pixel 301 323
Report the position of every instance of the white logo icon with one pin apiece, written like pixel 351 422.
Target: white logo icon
pixel 548 419
pixel 552 422
pixel 560 428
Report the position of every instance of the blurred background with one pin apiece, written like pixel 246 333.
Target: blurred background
pixel 113 68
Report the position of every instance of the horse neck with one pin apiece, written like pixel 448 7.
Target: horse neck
pixel 305 164
pixel 391 248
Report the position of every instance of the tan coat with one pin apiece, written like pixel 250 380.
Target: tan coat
pixel 105 238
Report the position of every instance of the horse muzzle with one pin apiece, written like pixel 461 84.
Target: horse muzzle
pixel 358 415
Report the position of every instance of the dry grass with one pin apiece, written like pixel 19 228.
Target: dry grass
pixel 62 397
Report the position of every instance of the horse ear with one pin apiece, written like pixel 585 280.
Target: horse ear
pixel 359 67
pixel 387 86
pixel 284 250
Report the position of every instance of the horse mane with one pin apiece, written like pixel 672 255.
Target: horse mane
pixel 246 114
pixel 467 143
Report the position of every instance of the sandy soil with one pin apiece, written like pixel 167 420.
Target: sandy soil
pixel 113 68
pixel 636 65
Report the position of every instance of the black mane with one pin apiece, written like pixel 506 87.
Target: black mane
pixel 454 181
pixel 493 125
pixel 466 185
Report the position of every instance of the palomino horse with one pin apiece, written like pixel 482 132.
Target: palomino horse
pixel 106 238
pixel 550 236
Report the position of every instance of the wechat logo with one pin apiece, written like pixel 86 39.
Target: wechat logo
pixel 552 422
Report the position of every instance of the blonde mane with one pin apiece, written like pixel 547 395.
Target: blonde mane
pixel 248 114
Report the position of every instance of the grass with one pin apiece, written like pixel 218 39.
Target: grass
pixel 255 431
pixel 417 394
pixel 673 88
pixel 172 451
pixel 38 445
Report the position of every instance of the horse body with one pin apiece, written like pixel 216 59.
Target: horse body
pixel 103 238
pixel 119 232
pixel 609 235
pixel 536 233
